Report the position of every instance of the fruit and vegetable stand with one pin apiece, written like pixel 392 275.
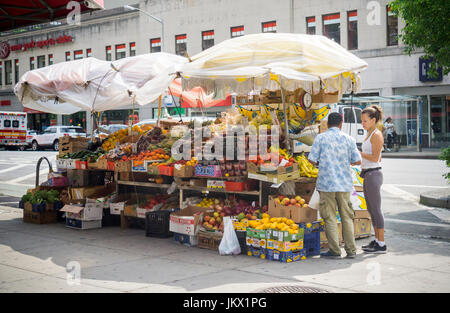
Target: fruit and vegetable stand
pixel 133 178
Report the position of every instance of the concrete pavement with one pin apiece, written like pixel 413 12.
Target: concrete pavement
pixel 34 258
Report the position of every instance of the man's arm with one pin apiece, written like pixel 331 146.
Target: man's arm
pixel 314 155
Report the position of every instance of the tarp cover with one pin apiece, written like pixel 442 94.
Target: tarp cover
pixel 94 85
pixel 263 61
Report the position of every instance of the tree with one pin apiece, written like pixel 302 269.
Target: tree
pixel 428 27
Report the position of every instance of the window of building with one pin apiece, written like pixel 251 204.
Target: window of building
pixel 207 39
pixel 50 59
pixel 67 55
pixel 8 72
pixel 392 28
pixel 78 54
pixel 108 53
pixel 32 63
pixel 121 51
pixel 311 25
pixel 88 52
pixel 16 71
pixel 155 45
pixel 352 30
pixel 41 61
pixel 181 44
pixel 1 73
pixel 132 49
pixel 237 31
pixel 269 27
pixel 332 27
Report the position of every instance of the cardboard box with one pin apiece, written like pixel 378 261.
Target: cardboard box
pixel 215 184
pixel 363 227
pixel 284 246
pixel 183 170
pixel 61 163
pixel 139 166
pixel 152 170
pixel 71 164
pixel 209 240
pixel 187 240
pixel 280 235
pixel 86 192
pixel 197 183
pixel 117 203
pixel 90 212
pixel 83 225
pixel 357 180
pixel 207 171
pixel 299 147
pixel 122 166
pixel 103 197
pixel 253 173
pixel 92 165
pixel 102 164
pixel 362 214
pixel 323 97
pixel 287 257
pixel 47 217
pixel 187 221
pixel 297 214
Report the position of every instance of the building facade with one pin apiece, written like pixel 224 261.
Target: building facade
pixel 366 28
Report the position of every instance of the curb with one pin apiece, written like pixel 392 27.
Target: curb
pixel 403 156
pixel 435 201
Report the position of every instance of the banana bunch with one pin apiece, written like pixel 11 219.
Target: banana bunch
pixel 282 152
pixel 306 168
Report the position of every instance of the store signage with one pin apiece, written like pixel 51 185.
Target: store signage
pixel 424 65
pixel 5 49
pixel 42 43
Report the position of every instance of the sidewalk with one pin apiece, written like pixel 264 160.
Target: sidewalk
pixel 33 258
pixel 412 153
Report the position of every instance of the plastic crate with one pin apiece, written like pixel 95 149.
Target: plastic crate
pixel 157 224
pixel 240 186
pixel 109 219
pixel 241 235
pixel 311 243
pixel 166 170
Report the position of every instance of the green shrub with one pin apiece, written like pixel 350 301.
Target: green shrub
pixel 445 156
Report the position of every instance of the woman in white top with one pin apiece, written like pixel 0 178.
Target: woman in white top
pixel 372 174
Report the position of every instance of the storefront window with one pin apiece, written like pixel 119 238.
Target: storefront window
pixel 76 119
pixel 440 120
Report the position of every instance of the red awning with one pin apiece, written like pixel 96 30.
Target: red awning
pixel 20 13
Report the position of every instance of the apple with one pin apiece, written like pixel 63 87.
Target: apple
pixel 305 205
pixel 298 198
pixel 216 214
pixel 278 201
pixel 207 218
pixel 265 208
pixel 222 214
pixel 298 205
pixel 302 202
pixel 216 228
pixel 293 201
pixel 218 220
pixel 286 201
pixel 212 221
pixel 281 197
pixel 249 216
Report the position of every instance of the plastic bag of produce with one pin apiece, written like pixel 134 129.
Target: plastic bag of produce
pixel 230 243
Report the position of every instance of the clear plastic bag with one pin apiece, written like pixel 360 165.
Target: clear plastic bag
pixel 230 243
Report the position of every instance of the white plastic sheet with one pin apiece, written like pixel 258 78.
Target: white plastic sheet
pixel 263 61
pixel 94 85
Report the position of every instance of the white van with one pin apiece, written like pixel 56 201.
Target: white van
pixel 352 121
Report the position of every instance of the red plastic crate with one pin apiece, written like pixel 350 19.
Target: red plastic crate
pixel 111 166
pixel 166 170
pixel 81 165
pixel 248 185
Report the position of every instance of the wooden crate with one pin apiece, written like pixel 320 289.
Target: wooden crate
pixel 131 221
pixel 209 240
pixel 72 147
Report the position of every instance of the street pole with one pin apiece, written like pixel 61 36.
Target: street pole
pixel 419 124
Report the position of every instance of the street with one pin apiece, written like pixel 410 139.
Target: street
pixel 34 258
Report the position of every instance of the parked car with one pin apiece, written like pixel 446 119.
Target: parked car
pixel 351 122
pixel 110 128
pixel 50 136
pixel 31 134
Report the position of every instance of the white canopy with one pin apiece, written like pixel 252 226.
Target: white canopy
pixel 263 61
pixel 94 85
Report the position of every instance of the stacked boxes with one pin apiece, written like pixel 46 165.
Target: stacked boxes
pixel 275 245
